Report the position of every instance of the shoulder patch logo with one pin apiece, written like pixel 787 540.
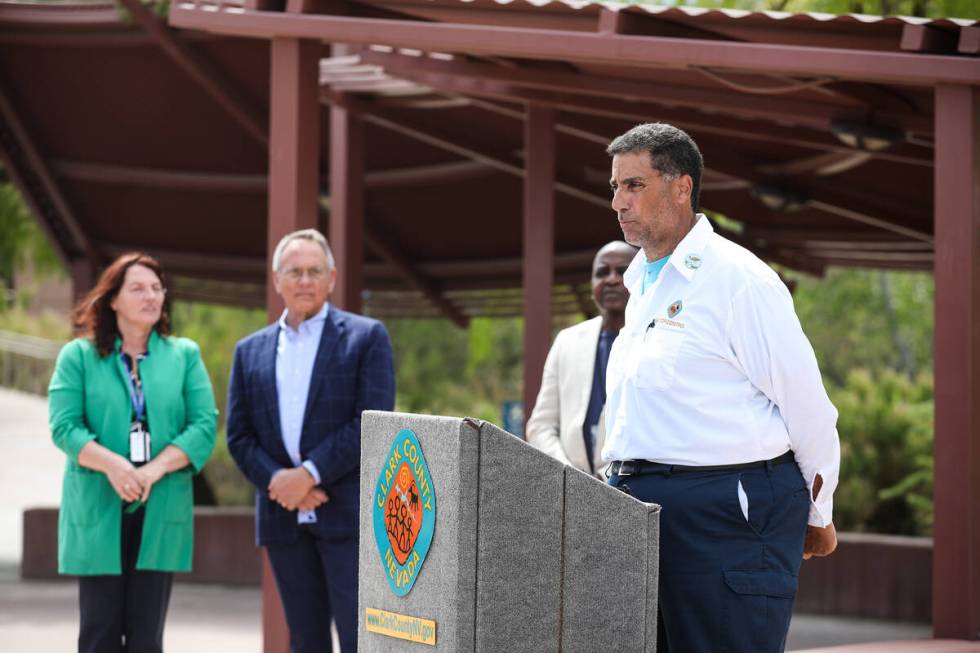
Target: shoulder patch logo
pixel 404 512
pixel 675 308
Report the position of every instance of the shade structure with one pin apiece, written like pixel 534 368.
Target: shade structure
pixel 849 140
pixel 128 133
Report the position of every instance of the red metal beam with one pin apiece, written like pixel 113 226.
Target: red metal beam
pixel 814 114
pixel 878 212
pixel 970 40
pixel 382 117
pixel 875 212
pixel 605 48
pixel 539 245
pixel 928 38
pixel 101 173
pixel 808 132
pixel 347 204
pixel 956 498
pixel 199 68
pixel 197 263
pixel 294 172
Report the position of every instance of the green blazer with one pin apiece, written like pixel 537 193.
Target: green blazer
pixel 88 399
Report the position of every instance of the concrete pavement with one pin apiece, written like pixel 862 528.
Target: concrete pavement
pixel 42 617
pixel 31 466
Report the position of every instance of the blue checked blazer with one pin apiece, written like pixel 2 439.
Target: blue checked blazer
pixel 353 372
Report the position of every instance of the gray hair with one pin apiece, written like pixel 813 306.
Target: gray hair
pixel 311 235
pixel 672 151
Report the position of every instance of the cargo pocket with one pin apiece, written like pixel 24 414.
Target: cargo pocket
pixel 86 495
pixel 759 609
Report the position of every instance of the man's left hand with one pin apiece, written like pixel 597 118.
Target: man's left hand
pixel 289 486
pixel 819 541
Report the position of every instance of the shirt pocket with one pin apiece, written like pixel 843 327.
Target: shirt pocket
pixel 656 363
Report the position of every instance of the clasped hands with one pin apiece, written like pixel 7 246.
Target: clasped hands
pixel 134 483
pixel 295 489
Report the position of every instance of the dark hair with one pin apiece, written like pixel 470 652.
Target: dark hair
pixel 672 152
pixel 93 316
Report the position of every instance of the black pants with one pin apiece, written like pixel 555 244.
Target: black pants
pixel 124 613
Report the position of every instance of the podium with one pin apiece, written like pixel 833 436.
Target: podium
pixel 472 541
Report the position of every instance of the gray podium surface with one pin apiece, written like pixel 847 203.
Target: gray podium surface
pixel 527 554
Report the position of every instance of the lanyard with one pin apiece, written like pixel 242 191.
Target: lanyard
pixel 135 385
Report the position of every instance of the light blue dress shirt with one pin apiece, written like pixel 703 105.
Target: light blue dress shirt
pixel 295 356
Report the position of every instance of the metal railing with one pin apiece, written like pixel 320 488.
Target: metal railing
pixel 26 362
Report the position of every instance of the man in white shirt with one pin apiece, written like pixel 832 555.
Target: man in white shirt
pixel 715 410
pixel 566 420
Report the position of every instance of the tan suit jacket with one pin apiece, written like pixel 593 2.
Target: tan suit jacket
pixel 555 426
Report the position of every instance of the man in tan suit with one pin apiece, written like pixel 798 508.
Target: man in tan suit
pixel 566 420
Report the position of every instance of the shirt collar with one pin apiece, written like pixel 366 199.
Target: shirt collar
pixel 319 317
pixel 693 243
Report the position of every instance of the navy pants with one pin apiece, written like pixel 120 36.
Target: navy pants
pixel 317 581
pixel 124 612
pixel 727 583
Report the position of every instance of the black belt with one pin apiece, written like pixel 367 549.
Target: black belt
pixel 633 467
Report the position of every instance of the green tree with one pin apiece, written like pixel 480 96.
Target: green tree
pixel 21 241
pixel 867 319
pixel 885 428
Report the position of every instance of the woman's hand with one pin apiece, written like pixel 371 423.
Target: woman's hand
pixel 119 471
pixel 124 479
pixel 148 475
pixel 169 460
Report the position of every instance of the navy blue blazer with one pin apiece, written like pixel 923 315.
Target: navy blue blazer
pixel 353 372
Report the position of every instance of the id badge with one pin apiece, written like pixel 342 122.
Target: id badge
pixel 139 443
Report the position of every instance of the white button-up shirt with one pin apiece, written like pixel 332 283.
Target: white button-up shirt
pixel 295 355
pixel 712 368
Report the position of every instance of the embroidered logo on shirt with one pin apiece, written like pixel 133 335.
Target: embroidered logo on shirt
pixel 404 512
pixel 675 308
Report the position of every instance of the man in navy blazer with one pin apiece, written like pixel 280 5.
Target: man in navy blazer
pixel 295 398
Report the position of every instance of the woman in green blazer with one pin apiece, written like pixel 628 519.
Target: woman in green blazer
pixel 133 409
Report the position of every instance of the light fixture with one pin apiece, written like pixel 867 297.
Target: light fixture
pixel 867 137
pixel 778 199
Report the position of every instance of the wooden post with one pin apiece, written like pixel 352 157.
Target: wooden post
pixel 347 205
pixel 539 245
pixel 294 145
pixel 956 533
pixel 294 170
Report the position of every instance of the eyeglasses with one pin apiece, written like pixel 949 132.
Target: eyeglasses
pixel 295 274
pixel 145 291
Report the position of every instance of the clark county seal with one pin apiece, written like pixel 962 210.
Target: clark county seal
pixel 404 509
